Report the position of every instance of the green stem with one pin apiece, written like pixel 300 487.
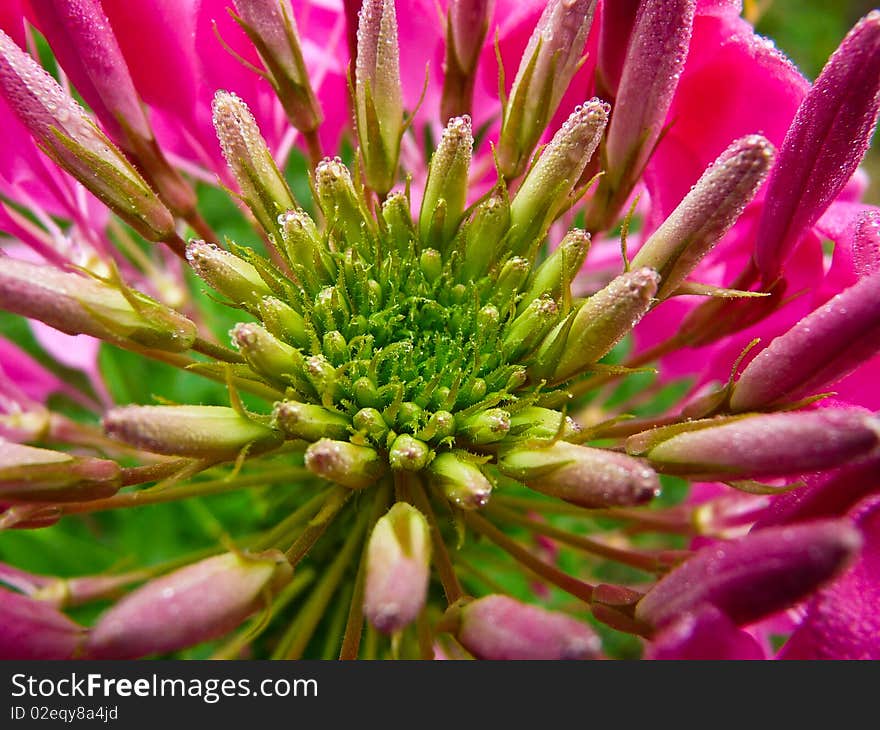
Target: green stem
pixel 218 352
pixel 354 626
pixel 333 503
pixel 298 635
pixel 451 585
pixel 547 572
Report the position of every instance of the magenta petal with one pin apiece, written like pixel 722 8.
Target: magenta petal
pixel 843 621
pixel 704 633
pixel 31 629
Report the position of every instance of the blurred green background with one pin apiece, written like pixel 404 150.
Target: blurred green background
pixel 808 31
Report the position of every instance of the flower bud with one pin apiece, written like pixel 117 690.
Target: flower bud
pixel 283 321
pixel 262 185
pixel 272 29
pixel 555 274
pixel 305 251
pixel 527 330
pixel 345 463
pixel 41 475
pixel 408 453
pixel 552 56
pixel 753 577
pixel 618 19
pixel 582 475
pixel 461 480
pixel 778 444
pixel 398 567
pixel 378 93
pixel 822 348
pixel 309 422
pixel 533 422
pixel 32 629
pixel 267 355
pixel 440 426
pixel 399 223
pixel 707 212
pixel 510 280
pixel 703 634
pixel 603 320
pixel 656 55
pixel 208 432
pixel 228 274
pixel 83 42
pixel 499 627
pixel 67 134
pixel 825 143
pixel 447 182
pixel 546 190
pixel 189 606
pixel 485 427
pixel 467 22
pixel 342 206
pixel 78 304
pixel 482 235
pixel 371 424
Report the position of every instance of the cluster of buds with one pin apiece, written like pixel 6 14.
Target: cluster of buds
pixel 414 372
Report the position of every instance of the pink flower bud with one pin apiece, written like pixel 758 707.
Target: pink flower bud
pixel 65 132
pixel 657 52
pixel 618 19
pixel 778 444
pixel 582 475
pixel 194 604
pixel 40 475
pixel 707 212
pixel 78 304
pixel 227 273
pixel 826 141
pixel 31 629
pixel 207 432
pixel 398 568
pixel 499 627
pixel 755 576
pixel 822 348
pixel 461 480
pixel 467 24
pixel 701 634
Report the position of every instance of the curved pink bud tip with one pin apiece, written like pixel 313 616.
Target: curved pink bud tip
pixel 194 604
pixel 706 634
pixel 398 568
pixel 843 621
pixel 821 349
pixel 755 576
pixel 618 19
pixel 31 629
pixel 763 446
pixel 825 143
pixel 499 627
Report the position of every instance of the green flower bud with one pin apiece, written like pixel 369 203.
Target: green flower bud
pixel 461 480
pixel 485 427
pixel 78 304
pixel 41 475
pixel 262 185
pixel 283 321
pixel 510 280
pixel 228 274
pixel 604 319
pixel 401 230
pixel 366 393
pixel 447 181
pixel 305 250
pixel 268 355
pixel 483 234
pixel 378 93
pixel 546 190
pixel 441 425
pixel 342 206
pixel 582 475
pixel 548 64
pixel 527 330
pixel 533 422
pixel 431 264
pixel 345 463
pixel 370 422
pixel 205 432
pixel 309 422
pixel 409 453
pixel 555 274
